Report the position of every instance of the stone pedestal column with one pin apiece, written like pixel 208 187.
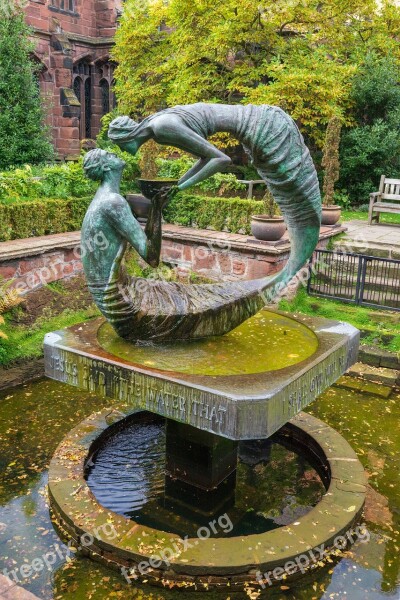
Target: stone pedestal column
pixel 200 470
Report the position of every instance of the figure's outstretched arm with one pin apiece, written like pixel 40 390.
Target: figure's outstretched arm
pixel 207 169
pixel 193 170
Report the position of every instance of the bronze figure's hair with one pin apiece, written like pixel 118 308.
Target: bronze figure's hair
pixel 122 129
pixel 94 163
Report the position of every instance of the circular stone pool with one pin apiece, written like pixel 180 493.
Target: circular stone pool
pixel 266 342
pixel 198 562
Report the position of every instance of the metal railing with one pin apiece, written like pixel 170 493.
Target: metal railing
pixel 356 278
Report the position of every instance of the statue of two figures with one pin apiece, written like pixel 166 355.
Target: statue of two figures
pixel 141 309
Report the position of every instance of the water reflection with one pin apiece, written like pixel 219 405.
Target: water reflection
pixel 266 342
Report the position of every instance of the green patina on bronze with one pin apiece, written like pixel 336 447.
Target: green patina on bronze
pixel 140 309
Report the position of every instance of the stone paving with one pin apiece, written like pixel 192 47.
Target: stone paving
pixel 381 239
pixel 11 591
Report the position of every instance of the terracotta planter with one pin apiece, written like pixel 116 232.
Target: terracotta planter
pixel 268 229
pixel 330 214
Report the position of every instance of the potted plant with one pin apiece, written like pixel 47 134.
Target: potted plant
pixel 330 161
pixel 149 183
pixel 270 226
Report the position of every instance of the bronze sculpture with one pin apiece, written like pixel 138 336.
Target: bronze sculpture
pixel 142 309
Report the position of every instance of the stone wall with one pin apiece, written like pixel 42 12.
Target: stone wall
pixel 221 263
pixel 228 257
pixel 32 272
pixel 218 256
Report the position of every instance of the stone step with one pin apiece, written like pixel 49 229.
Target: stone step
pixel 388 377
pixel 378 357
pixel 371 249
pixel 364 387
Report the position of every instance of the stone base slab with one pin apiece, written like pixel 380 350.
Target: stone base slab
pixel 237 407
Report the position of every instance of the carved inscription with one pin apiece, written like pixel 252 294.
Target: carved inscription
pixel 309 388
pixel 137 390
pixel 204 409
pixel 66 367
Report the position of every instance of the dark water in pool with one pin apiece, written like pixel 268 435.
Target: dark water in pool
pixel 128 478
pixel 35 418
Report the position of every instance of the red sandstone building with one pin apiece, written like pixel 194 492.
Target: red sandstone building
pixel 74 39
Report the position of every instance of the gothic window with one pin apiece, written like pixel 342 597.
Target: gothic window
pixel 105 74
pixel 113 96
pixel 66 5
pixel 105 96
pixel 78 87
pixel 82 85
pixel 88 107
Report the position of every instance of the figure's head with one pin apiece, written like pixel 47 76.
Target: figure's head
pixel 98 162
pixel 122 132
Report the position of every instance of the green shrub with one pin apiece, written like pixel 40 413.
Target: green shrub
pixel 66 180
pixel 19 183
pixel 102 140
pixel 221 183
pixel 23 137
pixel 217 185
pixel 41 217
pixel 221 214
pixel 31 218
pixel 174 169
pixel 55 181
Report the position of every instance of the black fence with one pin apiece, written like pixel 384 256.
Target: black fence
pixel 356 278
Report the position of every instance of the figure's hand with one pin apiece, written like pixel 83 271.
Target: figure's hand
pixel 173 190
pixel 163 196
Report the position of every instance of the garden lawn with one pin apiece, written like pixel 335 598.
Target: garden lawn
pixel 55 306
pixel 378 327
pixel 355 215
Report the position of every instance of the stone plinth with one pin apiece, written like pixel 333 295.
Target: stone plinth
pixel 237 407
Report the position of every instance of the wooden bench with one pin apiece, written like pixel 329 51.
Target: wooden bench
pixel 387 199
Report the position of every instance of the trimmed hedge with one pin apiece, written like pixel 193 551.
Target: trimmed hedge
pixel 41 217
pixel 32 218
pixel 221 214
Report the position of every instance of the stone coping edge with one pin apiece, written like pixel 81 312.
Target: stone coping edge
pixel 213 562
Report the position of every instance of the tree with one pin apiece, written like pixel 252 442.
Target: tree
pixel 371 147
pixel 299 54
pixel 23 139
pixel 330 159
